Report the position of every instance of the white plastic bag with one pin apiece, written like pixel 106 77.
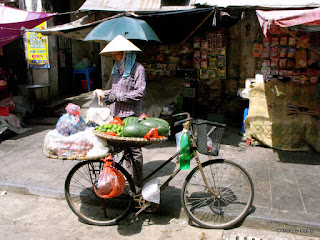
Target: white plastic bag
pixel 151 191
pixel 178 138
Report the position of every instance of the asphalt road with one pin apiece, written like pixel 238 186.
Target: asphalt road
pixel 31 217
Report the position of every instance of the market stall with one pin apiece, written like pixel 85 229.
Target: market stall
pixel 284 110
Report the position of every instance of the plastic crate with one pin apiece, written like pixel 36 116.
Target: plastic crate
pixel 208 135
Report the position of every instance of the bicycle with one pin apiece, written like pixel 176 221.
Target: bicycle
pixel 217 193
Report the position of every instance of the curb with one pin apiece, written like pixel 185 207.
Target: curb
pixel 29 190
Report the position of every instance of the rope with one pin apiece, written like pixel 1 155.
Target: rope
pixel 205 19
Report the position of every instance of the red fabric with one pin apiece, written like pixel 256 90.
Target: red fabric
pixel 13 21
pixel 288 18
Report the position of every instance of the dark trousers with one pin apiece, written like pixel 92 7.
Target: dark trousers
pixel 137 172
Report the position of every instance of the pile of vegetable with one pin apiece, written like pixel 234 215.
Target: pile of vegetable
pixel 110 129
pixel 141 127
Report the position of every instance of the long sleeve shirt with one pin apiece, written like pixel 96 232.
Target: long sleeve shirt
pixel 129 92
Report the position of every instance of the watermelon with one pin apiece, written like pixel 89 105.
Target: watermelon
pixel 135 130
pixel 161 120
pixel 130 120
pixel 162 127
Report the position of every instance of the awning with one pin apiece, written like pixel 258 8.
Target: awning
pixel 130 5
pixel 168 25
pixel 288 18
pixel 77 29
pixel 259 3
pixel 14 21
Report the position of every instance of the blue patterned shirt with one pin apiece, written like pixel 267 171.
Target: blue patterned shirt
pixel 129 92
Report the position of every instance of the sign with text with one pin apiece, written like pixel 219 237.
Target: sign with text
pixel 38 48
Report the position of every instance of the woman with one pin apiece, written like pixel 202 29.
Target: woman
pixel 127 91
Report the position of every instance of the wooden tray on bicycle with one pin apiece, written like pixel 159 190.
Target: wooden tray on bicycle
pixel 47 154
pixel 129 141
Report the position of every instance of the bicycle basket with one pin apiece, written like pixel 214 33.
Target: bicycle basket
pixel 208 135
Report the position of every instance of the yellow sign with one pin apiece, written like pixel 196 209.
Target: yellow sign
pixel 38 48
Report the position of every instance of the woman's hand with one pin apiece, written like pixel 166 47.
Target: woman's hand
pixel 110 98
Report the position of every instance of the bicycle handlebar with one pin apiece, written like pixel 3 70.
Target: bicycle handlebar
pixel 197 121
pixel 188 118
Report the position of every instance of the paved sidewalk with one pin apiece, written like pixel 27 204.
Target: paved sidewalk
pixel 286 183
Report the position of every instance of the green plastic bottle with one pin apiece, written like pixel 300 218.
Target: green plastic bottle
pixel 185 153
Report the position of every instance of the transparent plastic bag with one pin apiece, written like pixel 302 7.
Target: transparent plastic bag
pixel 68 124
pixel 71 122
pixel 81 144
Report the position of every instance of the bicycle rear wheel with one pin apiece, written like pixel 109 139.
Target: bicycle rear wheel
pixel 83 201
pixel 234 189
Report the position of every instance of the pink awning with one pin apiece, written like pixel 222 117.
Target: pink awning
pixel 13 21
pixel 288 18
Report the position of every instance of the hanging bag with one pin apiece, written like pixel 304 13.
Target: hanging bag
pixel 110 183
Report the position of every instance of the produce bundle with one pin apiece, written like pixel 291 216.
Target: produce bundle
pixel 81 144
pixel 71 122
pixel 76 149
pixel 110 129
pixel 141 127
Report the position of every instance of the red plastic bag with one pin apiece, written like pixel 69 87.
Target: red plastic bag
pixel 73 109
pixel 143 117
pixel 111 134
pixel 111 183
pixel 153 133
pixel 116 120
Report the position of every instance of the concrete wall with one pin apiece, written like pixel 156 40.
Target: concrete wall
pixel 240 63
pixel 90 50
pixel 44 76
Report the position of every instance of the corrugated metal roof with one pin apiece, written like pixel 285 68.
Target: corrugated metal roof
pixel 129 5
pixel 260 3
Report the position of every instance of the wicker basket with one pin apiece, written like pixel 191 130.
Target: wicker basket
pixel 208 135
pixel 129 141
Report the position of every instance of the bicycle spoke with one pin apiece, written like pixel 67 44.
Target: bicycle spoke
pixel 234 194
pixel 83 200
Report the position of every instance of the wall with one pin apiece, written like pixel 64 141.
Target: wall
pixel 240 63
pixel 90 50
pixel 43 76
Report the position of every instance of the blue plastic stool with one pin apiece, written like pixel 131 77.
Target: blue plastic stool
pixel 85 71
pixel 245 114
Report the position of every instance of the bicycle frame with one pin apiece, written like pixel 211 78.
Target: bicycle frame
pixel 166 183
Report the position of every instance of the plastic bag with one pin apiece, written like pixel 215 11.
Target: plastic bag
pixel 73 109
pixel 81 144
pixel 117 121
pixel 178 138
pixel 71 122
pixel 151 191
pixel 153 133
pixel 110 183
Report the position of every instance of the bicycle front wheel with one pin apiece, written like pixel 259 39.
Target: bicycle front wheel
pixel 84 202
pixel 231 202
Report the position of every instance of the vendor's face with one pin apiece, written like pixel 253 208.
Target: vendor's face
pixel 117 56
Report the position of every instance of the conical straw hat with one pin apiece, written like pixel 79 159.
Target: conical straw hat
pixel 119 44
